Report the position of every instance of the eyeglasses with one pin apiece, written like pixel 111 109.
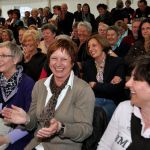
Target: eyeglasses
pixel 27 46
pixel 6 56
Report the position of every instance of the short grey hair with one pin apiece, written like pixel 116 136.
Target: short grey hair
pixel 86 24
pixel 63 36
pixel 14 49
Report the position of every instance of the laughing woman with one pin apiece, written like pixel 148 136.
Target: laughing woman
pixel 105 74
pixel 62 104
pixel 129 128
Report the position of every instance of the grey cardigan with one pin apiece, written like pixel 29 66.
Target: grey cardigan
pixel 75 111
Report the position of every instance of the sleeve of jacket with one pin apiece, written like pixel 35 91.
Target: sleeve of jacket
pixel 81 128
pixel 106 89
pixel 32 111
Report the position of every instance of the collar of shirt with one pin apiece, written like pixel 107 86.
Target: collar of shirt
pixel 120 40
pixel 137 113
pixel 63 92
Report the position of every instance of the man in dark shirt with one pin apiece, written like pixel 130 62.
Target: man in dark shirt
pixel 2 20
pixel 143 11
pixel 66 20
pixel 130 11
pixel 78 13
pixel 104 14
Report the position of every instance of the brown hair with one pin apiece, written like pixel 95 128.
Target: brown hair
pixel 64 44
pixel 102 41
pixel 142 68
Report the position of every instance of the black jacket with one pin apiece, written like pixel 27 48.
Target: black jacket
pixel 34 67
pixel 114 66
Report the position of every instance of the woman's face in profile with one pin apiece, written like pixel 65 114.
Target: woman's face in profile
pixel 60 64
pixel 140 91
pixel 95 49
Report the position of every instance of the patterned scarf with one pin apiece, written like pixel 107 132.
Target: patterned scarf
pixel 100 70
pixel 9 87
pixel 49 111
pixel 86 17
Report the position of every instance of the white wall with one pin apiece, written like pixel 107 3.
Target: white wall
pixel 72 4
pixel 10 4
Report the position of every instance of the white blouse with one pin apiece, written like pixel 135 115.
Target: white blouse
pixel 118 133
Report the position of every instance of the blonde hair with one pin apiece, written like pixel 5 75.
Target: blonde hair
pixel 31 33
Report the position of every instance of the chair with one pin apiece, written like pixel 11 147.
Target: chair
pixel 99 125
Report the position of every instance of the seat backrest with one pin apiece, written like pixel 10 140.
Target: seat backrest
pixel 99 125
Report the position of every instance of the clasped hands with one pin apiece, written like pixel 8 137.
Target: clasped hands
pixel 17 115
pixel 115 80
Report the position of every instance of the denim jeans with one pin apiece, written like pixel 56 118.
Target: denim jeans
pixel 107 104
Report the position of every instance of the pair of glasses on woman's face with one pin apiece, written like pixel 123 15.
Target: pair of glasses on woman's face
pixel 6 56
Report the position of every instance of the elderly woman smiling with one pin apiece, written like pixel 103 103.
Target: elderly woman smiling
pixel 59 105
pixel 33 57
pixel 15 88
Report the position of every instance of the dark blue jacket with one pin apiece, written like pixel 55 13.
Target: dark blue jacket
pixel 21 99
pixel 114 66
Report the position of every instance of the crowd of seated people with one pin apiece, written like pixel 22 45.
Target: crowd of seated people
pixel 104 49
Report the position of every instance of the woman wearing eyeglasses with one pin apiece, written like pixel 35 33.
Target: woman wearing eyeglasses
pixel 15 88
pixel 61 111
pixel 34 59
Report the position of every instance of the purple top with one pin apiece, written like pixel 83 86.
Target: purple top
pixel 22 99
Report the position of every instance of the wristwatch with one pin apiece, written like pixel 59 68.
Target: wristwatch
pixel 27 119
pixel 110 52
pixel 62 128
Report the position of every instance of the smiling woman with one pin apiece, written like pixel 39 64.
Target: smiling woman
pixel 59 106
pixel 130 124
pixel 104 73
pixel 33 57
pixel 15 88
